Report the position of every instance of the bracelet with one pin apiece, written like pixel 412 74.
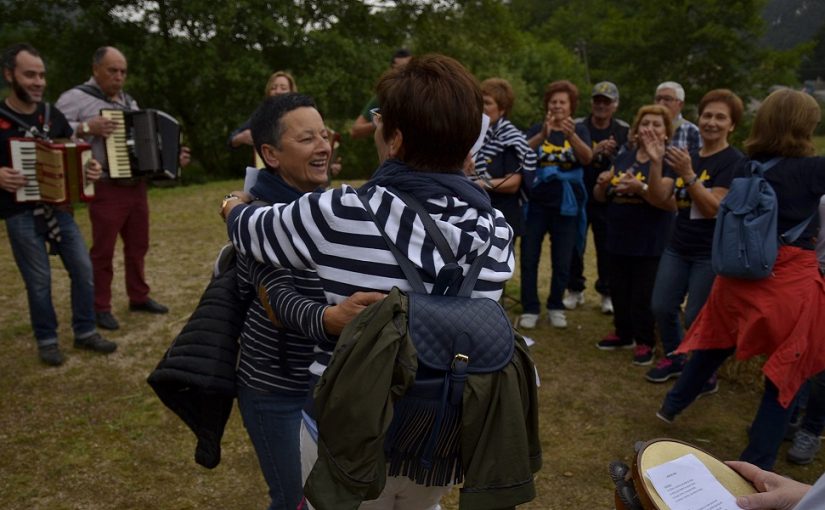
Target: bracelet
pixel 692 181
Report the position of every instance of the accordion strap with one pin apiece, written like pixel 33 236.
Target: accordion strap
pixel 42 132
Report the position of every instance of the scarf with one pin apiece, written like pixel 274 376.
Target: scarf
pixel 426 185
pixel 500 136
pixel 271 188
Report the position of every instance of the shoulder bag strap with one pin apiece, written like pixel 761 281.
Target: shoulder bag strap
pixel 432 229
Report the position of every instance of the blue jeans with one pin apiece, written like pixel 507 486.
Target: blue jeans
pixel 768 427
pixel 32 257
pixel 814 420
pixel 273 422
pixel 679 275
pixel 562 229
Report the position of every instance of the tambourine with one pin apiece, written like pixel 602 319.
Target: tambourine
pixel 634 491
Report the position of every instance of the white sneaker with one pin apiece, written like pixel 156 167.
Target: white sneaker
pixel 607 305
pixel 557 318
pixel 527 320
pixel 573 299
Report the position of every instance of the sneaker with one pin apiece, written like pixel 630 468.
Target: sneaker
pixel 96 343
pixel 51 355
pixel 642 355
pixel 557 318
pixel 607 305
pixel 572 299
pixel 805 446
pixel 667 368
pixel 527 320
pixel 710 387
pixel 611 342
pixel 106 320
pixel 665 416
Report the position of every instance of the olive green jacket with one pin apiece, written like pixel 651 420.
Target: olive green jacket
pixel 373 365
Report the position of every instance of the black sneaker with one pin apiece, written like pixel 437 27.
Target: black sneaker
pixel 642 355
pixel 95 343
pixel 612 342
pixel 150 306
pixel 665 415
pixel 106 320
pixel 51 355
pixel 667 368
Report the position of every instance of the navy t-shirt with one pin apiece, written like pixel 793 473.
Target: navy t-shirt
pixel 693 235
pixel 601 163
pixel 58 128
pixel 506 162
pixel 556 151
pixel 634 227
pixel 798 183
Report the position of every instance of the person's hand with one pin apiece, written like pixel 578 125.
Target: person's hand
pixel 606 147
pixel 101 126
pixel 93 170
pixel 240 197
pixel 336 317
pixel 628 183
pixel 547 125
pixel 184 156
pixel 652 144
pixel 469 165
pixel 604 178
pixel 10 179
pixel 775 491
pixel 568 127
pixel 243 138
pixel 679 159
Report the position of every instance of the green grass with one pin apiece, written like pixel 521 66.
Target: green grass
pixel 92 435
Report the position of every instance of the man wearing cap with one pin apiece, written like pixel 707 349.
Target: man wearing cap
pixel 671 95
pixel 608 135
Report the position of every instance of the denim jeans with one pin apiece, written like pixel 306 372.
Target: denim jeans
pixel 273 422
pixel 814 420
pixel 679 275
pixel 768 426
pixel 32 257
pixel 562 229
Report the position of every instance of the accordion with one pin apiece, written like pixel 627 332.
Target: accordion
pixel 144 144
pixel 54 170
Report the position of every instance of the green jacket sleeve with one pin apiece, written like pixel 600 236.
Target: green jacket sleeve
pixel 373 364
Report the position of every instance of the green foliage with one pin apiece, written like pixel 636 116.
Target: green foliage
pixel 206 62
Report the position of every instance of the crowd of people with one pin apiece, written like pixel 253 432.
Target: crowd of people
pixel 309 261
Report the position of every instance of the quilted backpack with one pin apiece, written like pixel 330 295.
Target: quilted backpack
pixel 745 239
pixel 455 336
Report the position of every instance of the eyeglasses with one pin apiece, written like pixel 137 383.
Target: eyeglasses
pixel 375 115
pixel 664 99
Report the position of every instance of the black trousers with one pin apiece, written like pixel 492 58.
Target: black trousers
pixel 631 282
pixel 597 220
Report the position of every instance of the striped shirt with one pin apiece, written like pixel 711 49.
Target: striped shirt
pixel 276 359
pixel 332 233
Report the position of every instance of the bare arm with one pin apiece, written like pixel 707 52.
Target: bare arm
pixel 706 200
pixel 362 128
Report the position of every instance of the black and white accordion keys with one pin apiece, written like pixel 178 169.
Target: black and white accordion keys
pixel 55 171
pixel 145 143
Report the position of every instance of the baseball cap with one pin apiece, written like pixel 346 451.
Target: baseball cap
pixel 606 89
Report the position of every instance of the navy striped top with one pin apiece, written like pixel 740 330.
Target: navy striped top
pixel 333 234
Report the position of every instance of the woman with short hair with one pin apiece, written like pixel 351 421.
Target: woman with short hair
pixel 702 179
pixel 429 119
pixel 779 316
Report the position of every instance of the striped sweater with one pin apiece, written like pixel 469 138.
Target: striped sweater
pixel 332 233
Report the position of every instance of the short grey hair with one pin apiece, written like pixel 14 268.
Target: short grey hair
pixel 680 91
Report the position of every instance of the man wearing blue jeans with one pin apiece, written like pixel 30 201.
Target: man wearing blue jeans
pixel 36 229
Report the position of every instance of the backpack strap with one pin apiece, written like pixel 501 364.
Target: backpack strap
pixel 98 94
pixel 411 272
pixel 793 233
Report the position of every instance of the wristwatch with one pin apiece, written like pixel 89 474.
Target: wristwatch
pixel 84 128
pixel 645 187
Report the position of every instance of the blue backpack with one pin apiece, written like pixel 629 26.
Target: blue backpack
pixel 745 239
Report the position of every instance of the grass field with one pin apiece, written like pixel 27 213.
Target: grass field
pixel 92 435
